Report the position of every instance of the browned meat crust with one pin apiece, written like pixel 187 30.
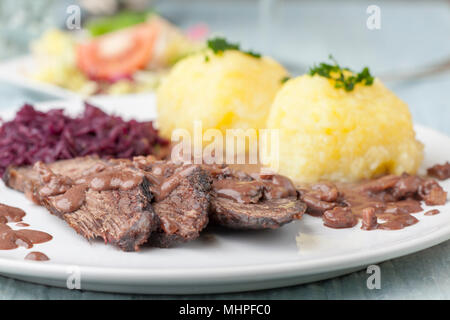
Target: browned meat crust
pixel 269 214
pixel 243 201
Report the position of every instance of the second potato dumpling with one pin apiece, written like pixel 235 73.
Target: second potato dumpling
pixel 229 90
pixel 328 133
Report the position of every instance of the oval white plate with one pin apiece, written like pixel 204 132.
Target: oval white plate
pixel 221 260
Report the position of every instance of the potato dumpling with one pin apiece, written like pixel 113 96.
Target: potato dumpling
pixel 228 90
pixel 328 133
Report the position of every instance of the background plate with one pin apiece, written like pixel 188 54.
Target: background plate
pixel 15 71
pixel 220 260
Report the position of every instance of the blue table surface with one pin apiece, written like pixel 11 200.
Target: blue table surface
pixel 412 35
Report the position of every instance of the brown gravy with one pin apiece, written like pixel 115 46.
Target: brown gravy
pixel 68 196
pixel 22 224
pixel 71 200
pixel 52 184
pixel 11 239
pixel 36 256
pixel 432 212
pixel 249 183
pixel 385 203
pixel 242 191
pixel 10 214
pixel 115 179
pixel 440 171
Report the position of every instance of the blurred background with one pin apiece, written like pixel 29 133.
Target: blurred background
pixel 412 33
pixel 410 51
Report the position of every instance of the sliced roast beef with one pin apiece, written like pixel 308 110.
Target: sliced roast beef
pixel 119 212
pixel 252 201
pixel 182 200
pixel 26 180
pixel 267 214
pixel 128 203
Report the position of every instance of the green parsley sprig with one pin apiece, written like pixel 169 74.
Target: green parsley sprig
pixel 336 72
pixel 218 45
pixel 285 79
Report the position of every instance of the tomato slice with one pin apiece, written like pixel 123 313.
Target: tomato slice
pixel 118 54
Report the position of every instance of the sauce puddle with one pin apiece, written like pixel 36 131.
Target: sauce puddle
pixel 386 203
pixel 36 256
pixel 12 239
pixel 432 212
pixel 10 214
pixel 22 224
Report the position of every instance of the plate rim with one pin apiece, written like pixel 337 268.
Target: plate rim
pixel 224 274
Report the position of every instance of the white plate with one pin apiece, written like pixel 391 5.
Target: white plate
pixel 299 252
pixel 16 71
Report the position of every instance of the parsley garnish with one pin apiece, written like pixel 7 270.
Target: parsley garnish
pixel 219 45
pixel 285 79
pixel 336 72
pixel 253 54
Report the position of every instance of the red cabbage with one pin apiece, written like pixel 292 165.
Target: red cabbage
pixel 48 136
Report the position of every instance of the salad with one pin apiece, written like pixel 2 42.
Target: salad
pixel 127 53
